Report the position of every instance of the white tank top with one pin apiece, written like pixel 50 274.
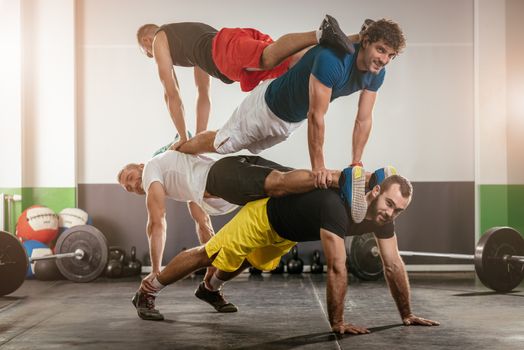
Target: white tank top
pixel 184 178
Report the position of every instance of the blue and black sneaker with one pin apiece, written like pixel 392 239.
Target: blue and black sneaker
pixel 352 185
pixel 380 175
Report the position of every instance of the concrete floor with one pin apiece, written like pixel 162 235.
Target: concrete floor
pixel 276 312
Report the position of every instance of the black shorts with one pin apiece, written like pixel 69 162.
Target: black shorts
pixel 240 179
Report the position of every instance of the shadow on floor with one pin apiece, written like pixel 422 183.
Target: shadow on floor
pixel 477 294
pixel 309 339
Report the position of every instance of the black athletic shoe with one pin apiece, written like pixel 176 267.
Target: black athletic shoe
pixel 215 299
pixel 145 307
pixel 365 25
pixel 334 37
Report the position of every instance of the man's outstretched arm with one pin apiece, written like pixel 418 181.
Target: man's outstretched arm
pixel 319 98
pixel 363 123
pixel 335 252
pixel 156 229
pixel 397 279
pixel 169 81
pixel 203 104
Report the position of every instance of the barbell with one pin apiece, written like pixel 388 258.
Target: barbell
pixel 498 258
pixel 81 256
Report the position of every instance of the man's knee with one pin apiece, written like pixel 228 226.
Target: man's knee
pixel 274 185
pixel 267 59
pixel 203 259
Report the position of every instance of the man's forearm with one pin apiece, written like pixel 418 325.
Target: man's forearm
pixel 157 240
pixel 361 132
pixel 203 108
pixel 397 279
pixel 176 111
pixel 204 231
pixel 335 294
pixel 316 141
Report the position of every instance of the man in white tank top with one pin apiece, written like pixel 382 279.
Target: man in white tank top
pixel 209 187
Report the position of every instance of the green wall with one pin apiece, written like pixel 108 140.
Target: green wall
pixel 501 205
pixel 55 198
pixel 516 207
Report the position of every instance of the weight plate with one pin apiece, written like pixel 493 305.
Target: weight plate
pixel 493 271
pixel 361 261
pixel 94 245
pixel 13 263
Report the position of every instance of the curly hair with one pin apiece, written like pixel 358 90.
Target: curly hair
pixel 388 31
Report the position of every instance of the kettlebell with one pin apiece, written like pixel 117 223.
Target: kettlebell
pixel 295 265
pixel 316 265
pixel 46 270
pixel 115 264
pixel 133 267
pixel 280 268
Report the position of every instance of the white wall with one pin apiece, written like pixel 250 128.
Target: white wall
pixel 515 90
pixel 492 143
pixel 48 84
pixel 10 95
pixel 423 116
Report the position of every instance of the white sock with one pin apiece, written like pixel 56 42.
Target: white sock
pixel 318 33
pixel 216 283
pixel 157 285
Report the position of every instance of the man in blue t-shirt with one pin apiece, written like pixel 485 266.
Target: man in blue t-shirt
pixel 277 107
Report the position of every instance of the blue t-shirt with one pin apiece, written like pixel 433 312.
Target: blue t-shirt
pixel 288 95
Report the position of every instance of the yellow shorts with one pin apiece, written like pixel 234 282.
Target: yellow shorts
pixel 248 236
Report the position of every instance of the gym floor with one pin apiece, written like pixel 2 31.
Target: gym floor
pixel 276 312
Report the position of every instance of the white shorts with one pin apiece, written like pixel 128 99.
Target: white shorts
pixel 253 126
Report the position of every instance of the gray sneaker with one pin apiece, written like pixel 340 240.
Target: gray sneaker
pixel 367 23
pixel 145 306
pixel 334 37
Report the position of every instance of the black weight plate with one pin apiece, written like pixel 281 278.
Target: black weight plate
pixel 361 261
pixel 492 270
pixel 13 263
pixel 94 245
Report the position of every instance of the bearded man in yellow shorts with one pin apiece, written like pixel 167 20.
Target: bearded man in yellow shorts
pixel 264 230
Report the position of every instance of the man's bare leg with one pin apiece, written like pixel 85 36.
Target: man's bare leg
pixel 286 46
pixel 293 44
pixel 201 143
pixel 278 183
pixel 183 264
pixel 220 277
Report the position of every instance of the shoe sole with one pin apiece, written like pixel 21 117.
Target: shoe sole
pixel 359 204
